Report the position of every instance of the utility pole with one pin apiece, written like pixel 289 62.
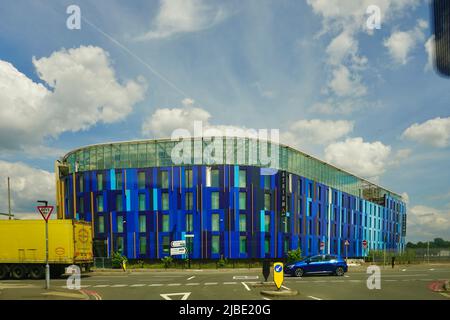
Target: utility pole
pixel 428 251
pixel 9 200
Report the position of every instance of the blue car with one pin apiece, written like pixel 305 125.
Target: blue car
pixel 324 263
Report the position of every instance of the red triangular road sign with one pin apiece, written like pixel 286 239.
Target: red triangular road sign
pixel 45 211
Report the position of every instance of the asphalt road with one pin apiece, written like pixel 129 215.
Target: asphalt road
pixel 401 283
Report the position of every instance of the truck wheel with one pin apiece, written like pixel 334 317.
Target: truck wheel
pixel 18 272
pixel 4 272
pixel 37 272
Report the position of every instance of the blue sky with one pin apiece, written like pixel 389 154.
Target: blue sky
pixel 365 100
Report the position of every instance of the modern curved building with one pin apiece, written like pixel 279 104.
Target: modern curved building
pixel 225 198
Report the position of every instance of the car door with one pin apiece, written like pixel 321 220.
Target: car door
pixel 314 264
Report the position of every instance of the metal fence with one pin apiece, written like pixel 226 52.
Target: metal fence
pixel 103 263
pixel 420 255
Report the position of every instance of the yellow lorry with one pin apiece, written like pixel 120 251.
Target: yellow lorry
pixel 22 247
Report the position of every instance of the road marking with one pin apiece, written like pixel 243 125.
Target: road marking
pixel 138 285
pixel 174 284
pixel 167 296
pixel 346 276
pixel 403 269
pixel 431 269
pixel 210 283
pixel 284 287
pixel 191 278
pixel 315 298
pixel 230 283
pixel 101 286
pixel 265 298
pixel 119 285
pixel 155 285
pixel 246 286
pixel 245 277
pixel 193 284
pixel 390 280
pixel 65 294
pixel 445 294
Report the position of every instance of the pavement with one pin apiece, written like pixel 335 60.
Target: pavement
pixel 414 282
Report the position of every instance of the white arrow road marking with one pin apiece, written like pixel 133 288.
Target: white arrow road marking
pixel 167 296
pixel 246 286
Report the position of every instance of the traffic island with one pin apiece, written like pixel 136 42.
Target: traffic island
pixel 279 293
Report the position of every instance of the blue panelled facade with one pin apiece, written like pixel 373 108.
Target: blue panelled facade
pixel 232 212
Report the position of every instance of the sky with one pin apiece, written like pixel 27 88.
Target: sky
pixel 362 98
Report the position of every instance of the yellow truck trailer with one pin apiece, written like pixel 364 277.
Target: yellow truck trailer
pixel 22 247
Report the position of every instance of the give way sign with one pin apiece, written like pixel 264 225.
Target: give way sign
pixel 45 211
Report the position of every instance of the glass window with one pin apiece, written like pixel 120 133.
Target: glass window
pixel 242 223
pixel 119 245
pixel 215 203
pixel 164 179
pixel 119 224
pixel 266 245
pixel 101 224
pixel 118 180
pixel 286 245
pixel 188 178
pixel 215 244
pixel 141 180
pixel 81 183
pixel 242 244
pixel 215 178
pixel 242 201
pixel 267 182
pixel 142 206
pixel 81 205
pixel 267 200
pixel 189 201
pixel 143 245
pixel 189 223
pixel 166 244
pixel 142 224
pixel 310 190
pixel 119 203
pixel 267 223
pixel 99 200
pixel 242 178
pixel 165 223
pixel 165 200
pixel 99 181
pixel 215 223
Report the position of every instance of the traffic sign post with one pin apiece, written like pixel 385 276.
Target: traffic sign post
pixel 278 274
pixel 46 212
pixel 177 251
pixel 322 246
pixel 364 243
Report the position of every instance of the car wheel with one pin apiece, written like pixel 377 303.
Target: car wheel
pixel 18 272
pixel 4 272
pixel 37 272
pixel 339 271
pixel 299 272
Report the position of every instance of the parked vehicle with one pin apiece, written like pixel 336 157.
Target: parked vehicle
pixel 22 247
pixel 324 263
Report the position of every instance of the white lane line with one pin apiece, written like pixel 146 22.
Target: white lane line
pixel 138 285
pixel 191 278
pixel 155 285
pixel 230 283
pixel 284 287
pixel 210 283
pixel 101 286
pixel 119 285
pixel 245 277
pixel 193 284
pixel 174 284
pixel 265 298
pixel 315 298
pixel 347 276
pixel 431 269
pixel 403 270
pixel 246 286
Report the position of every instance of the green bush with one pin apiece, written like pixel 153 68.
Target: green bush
pixel 117 260
pixel 294 255
pixel 167 261
pixel 222 262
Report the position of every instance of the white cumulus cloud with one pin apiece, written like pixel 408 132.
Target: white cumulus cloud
pixel 427 223
pixel 83 91
pixel 434 132
pixel 28 184
pixel 401 43
pixel 366 159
